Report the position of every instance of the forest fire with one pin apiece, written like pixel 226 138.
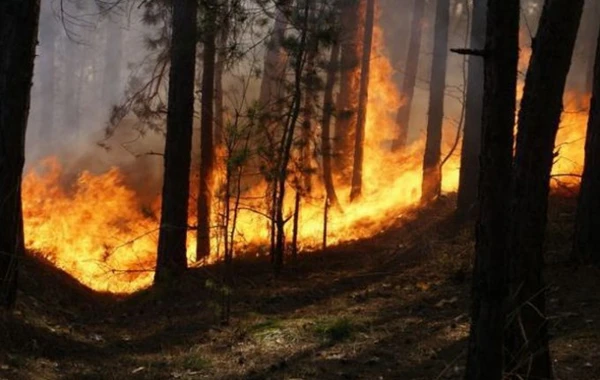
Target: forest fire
pixel 98 230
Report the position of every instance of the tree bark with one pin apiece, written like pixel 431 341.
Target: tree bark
pixel 219 71
pixel 352 15
pixel 485 350
pixel 410 76
pixel 586 246
pixel 362 102
pixel 207 151
pixel 328 106
pixel 469 158
pixel 18 37
pixel 432 173
pixel 539 117
pixel 171 260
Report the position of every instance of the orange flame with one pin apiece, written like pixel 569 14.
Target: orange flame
pixel 98 231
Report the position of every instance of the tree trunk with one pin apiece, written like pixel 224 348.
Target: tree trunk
pixel 362 102
pixel 328 105
pixel 346 118
pixel 432 173
pixel 207 151
pixel 171 260
pixel 539 117
pixel 590 20
pixel 219 71
pixel 285 148
pixel 310 95
pixel 18 35
pixel 410 76
pixel 469 158
pixel 586 247
pixel 485 350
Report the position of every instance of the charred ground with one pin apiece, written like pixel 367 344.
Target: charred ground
pixel 394 306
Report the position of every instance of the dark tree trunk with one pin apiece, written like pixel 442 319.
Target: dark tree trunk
pixel 328 105
pixel 432 173
pixel 171 259
pixel 207 151
pixel 469 158
pixel 586 247
pixel 410 75
pixel 590 20
pixel 539 117
pixel 18 37
pixel 352 13
pixel 310 95
pixel 285 148
pixel 362 102
pixel 219 71
pixel 47 65
pixel 485 354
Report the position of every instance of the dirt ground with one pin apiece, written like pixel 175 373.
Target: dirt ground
pixel 395 306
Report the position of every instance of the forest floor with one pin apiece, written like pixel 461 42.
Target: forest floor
pixel 394 306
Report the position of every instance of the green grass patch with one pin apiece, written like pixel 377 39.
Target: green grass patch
pixel 265 327
pixel 336 330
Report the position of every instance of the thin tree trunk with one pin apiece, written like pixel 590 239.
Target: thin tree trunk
pixel 586 247
pixel 219 71
pixel 328 105
pixel 352 20
pixel 410 76
pixel 278 243
pixel 207 151
pixel 469 158
pixel 539 117
pixel 485 350
pixel 18 35
pixel 432 173
pixel 171 259
pixel 309 98
pixel 362 102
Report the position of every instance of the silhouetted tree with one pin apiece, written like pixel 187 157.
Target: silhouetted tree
pixel 207 151
pixel 363 99
pixel 18 36
pixel 432 173
pixel 501 56
pixel 351 25
pixel 539 117
pixel 328 108
pixel 469 158
pixel 171 259
pixel 410 75
pixel 586 247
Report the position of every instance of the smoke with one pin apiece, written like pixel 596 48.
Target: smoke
pixel 84 61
